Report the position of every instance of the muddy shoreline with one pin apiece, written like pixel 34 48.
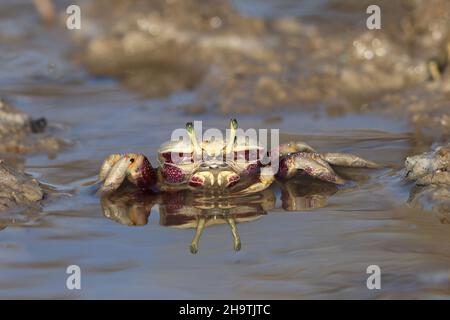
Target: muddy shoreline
pixel 137 70
pixel 241 64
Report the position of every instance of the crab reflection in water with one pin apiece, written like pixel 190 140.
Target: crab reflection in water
pixel 188 210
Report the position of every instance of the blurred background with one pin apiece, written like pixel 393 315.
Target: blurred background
pixel 136 70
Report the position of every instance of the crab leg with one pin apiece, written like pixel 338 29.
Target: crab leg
pixel 264 181
pixel 236 239
pixel 116 175
pixel 292 147
pixel 107 165
pixel 323 163
pixel 311 164
pixel 131 166
pixel 198 233
pixel 348 160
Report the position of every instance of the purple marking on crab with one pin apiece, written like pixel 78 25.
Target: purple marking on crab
pixel 147 177
pixel 196 181
pixel 167 156
pixel 172 174
pixel 283 167
pixel 253 168
pixel 233 180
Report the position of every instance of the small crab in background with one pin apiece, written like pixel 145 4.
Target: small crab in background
pixel 222 167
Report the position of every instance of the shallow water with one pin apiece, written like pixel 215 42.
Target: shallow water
pixel 311 253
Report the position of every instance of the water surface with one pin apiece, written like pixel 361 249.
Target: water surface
pixel 318 252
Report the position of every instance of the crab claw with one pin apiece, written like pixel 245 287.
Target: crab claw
pixel 290 147
pixel 349 160
pixel 134 167
pixel 107 165
pixel 294 146
pixel 309 163
pixel 116 175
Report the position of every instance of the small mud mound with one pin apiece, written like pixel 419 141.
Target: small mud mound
pixel 18 188
pixel 21 134
pixel 431 168
pixel 431 173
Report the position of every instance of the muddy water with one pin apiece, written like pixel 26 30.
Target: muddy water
pixel 320 252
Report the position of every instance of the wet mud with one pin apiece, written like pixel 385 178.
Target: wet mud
pixel 21 134
pixel 246 64
pixel 139 69
pixel 431 174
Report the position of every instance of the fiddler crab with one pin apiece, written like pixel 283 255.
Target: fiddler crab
pixel 223 167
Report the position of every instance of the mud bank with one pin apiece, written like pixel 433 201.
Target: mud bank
pixel 235 63
pixel 431 173
pixel 21 134
pixel 17 188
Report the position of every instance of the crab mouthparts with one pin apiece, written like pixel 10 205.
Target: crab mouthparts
pixel 214 178
pixel 214 165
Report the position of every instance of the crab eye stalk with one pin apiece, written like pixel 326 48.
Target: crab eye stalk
pixel 190 127
pixel 191 133
pixel 234 124
pixel 232 138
